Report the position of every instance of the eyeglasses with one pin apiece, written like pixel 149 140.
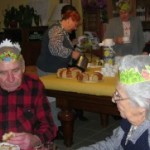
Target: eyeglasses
pixel 117 97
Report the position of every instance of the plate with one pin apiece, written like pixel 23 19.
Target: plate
pixel 108 45
pixel 11 145
pixel 127 42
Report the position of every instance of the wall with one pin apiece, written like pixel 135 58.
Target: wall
pixel 8 3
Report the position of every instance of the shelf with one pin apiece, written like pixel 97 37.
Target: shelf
pixel 29 39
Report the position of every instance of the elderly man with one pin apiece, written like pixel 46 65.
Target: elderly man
pixel 24 108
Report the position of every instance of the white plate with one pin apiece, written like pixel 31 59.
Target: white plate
pixel 11 145
pixel 102 44
pixel 127 42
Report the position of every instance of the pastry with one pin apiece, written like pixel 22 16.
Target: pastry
pixel 86 77
pixel 83 76
pixel 96 76
pixel 7 136
pixel 68 72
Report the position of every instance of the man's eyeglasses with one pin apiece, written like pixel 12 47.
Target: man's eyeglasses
pixel 117 97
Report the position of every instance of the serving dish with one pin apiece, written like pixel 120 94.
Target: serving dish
pixel 5 146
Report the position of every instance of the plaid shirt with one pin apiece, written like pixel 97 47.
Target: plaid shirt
pixel 27 110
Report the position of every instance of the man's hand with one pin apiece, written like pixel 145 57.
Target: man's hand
pixel 25 141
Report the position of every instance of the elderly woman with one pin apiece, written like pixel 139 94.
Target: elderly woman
pixel 132 97
pixel 126 31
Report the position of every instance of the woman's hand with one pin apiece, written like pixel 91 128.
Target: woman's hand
pixel 75 54
pixel 25 141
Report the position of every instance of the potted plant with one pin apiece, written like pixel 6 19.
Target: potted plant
pixel 10 17
pixel 24 16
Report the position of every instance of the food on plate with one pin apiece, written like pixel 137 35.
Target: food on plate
pixel 83 76
pixel 7 136
pixel 7 146
pixel 86 77
pixel 96 76
pixel 68 72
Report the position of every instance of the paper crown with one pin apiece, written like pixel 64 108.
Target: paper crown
pixel 9 51
pixel 123 5
pixel 133 76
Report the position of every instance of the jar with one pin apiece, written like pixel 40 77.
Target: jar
pixel 108 55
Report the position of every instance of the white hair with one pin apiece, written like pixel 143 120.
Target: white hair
pixel 139 93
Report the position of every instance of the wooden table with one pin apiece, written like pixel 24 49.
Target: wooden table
pixel 72 94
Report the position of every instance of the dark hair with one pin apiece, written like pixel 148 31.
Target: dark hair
pixel 66 8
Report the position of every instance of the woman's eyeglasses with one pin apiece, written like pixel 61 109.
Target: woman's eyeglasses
pixel 117 97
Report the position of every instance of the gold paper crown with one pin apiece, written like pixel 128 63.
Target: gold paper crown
pixel 133 76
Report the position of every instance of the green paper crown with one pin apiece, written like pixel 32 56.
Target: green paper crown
pixel 132 75
pixel 123 6
pixel 8 56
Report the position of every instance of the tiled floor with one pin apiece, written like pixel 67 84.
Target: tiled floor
pixel 89 132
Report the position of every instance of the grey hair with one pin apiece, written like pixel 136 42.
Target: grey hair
pixel 22 62
pixel 138 93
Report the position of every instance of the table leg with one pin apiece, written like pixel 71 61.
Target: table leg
pixel 67 120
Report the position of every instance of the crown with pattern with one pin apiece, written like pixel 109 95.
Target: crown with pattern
pixel 123 5
pixel 133 76
pixel 9 51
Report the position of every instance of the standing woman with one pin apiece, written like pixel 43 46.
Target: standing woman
pixel 59 51
pixel 126 26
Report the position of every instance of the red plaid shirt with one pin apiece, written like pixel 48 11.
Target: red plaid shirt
pixel 27 110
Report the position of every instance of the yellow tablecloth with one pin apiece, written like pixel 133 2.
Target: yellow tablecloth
pixel 106 87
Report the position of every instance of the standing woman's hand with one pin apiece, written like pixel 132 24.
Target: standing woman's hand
pixel 75 54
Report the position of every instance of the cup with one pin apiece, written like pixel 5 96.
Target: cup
pixel 108 42
pixel 126 39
